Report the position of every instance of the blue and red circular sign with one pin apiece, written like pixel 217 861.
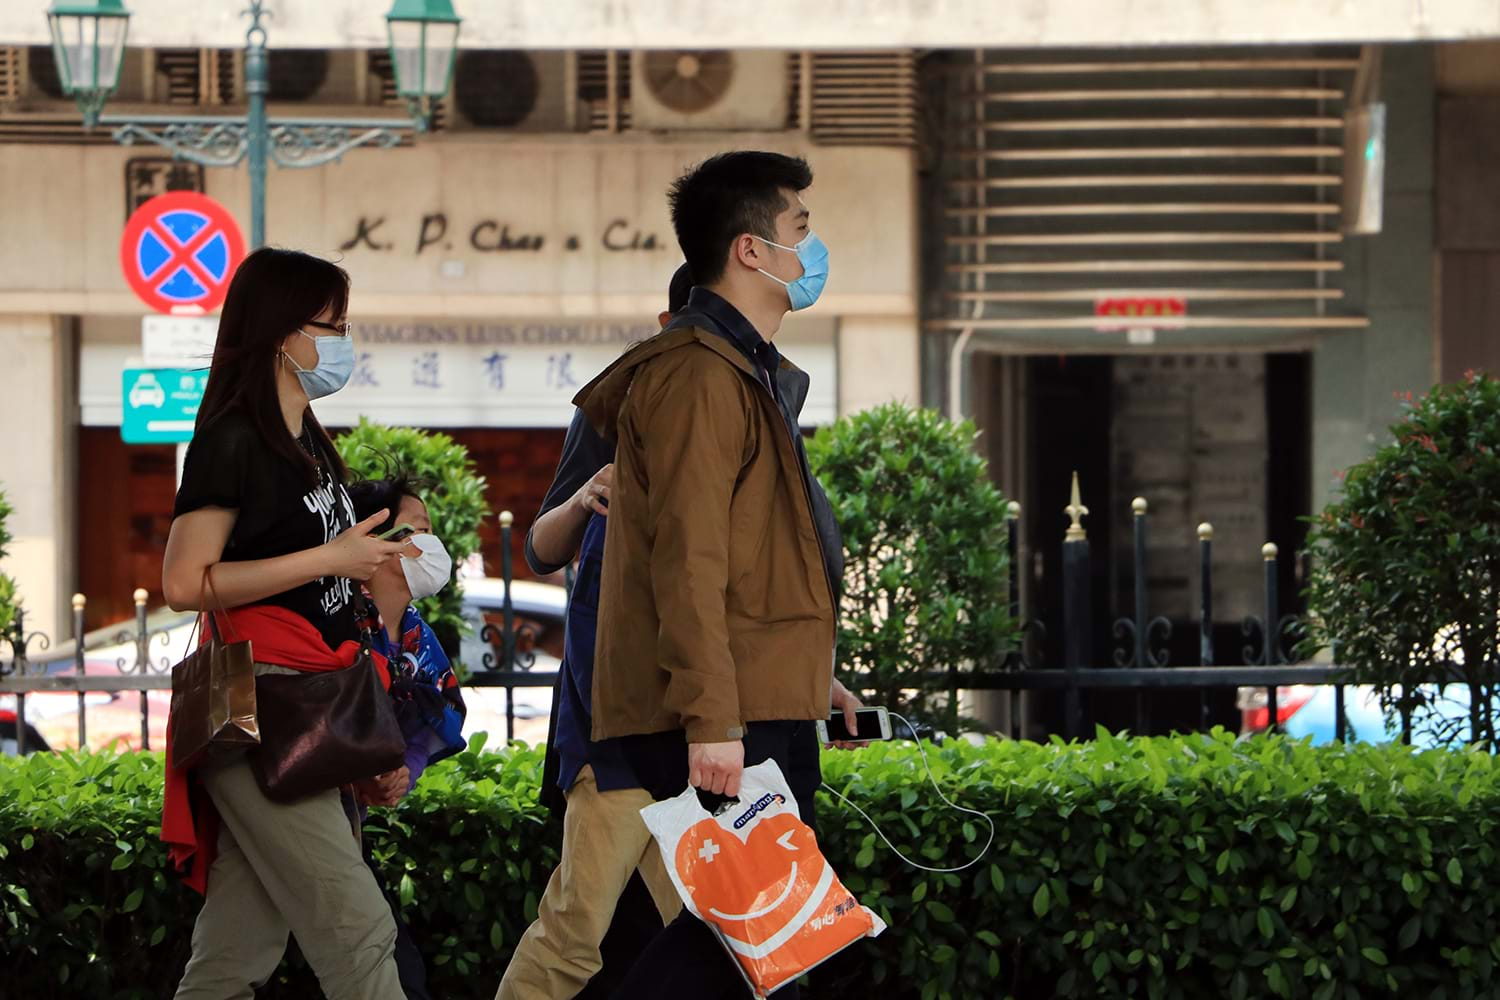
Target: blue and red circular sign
pixel 179 251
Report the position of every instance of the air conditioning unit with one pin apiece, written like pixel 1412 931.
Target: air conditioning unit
pixel 510 89
pixel 709 90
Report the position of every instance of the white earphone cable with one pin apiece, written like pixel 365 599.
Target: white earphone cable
pixel 951 805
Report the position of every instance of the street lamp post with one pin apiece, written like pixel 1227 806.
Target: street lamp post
pixel 88 42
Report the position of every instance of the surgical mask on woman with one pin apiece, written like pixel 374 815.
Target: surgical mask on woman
pixel 334 368
pixel 427 572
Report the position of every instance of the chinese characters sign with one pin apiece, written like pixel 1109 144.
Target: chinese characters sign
pixel 511 373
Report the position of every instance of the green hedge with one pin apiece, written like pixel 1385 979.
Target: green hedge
pixel 1186 867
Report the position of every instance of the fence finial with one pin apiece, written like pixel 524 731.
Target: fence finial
pixel 79 602
pixel 1076 511
pixel 1205 532
pixel 1268 551
pixel 140 596
pixel 1139 506
pixel 1012 511
pixel 507 519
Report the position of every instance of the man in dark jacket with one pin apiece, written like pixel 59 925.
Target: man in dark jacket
pixel 717 611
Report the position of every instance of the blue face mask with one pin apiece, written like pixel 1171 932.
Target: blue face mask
pixel 334 368
pixel 813 253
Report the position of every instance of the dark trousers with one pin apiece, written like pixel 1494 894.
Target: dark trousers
pixel 685 959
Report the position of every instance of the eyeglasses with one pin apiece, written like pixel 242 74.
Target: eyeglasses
pixel 342 329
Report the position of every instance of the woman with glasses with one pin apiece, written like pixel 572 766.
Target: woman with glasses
pixel 262 508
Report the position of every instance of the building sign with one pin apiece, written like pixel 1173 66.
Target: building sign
pixel 438 232
pixel 148 176
pixel 1138 311
pixel 515 373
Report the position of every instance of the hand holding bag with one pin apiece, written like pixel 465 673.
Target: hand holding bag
pixel 753 873
pixel 321 730
pixel 213 692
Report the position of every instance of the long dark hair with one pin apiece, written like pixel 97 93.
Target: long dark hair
pixel 274 293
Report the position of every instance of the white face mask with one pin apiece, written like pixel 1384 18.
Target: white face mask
pixel 428 572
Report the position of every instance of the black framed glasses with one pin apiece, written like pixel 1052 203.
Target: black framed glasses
pixel 342 329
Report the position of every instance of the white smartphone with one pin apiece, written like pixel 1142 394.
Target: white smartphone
pixel 872 724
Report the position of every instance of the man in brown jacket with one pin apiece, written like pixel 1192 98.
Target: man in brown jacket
pixel 722 562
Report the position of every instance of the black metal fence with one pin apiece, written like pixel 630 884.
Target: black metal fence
pixel 1140 664
pixel 1141 659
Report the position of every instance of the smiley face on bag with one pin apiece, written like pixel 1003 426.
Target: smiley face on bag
pixel 754 889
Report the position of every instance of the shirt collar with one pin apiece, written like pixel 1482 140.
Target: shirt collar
pixel 730 323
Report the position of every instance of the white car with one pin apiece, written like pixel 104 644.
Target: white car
pixel 147 392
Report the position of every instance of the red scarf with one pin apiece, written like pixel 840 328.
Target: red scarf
pixel 189 821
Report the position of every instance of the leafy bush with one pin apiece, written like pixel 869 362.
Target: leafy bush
pixel 9 602
pixel 925 578
pixel 1406 581
pixel 456 500
pixel 1182 867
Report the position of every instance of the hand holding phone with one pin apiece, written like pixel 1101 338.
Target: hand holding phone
pixel 871 724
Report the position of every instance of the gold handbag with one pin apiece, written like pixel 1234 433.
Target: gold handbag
pixel 213 693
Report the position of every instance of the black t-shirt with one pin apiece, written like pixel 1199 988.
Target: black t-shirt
pixel 230 465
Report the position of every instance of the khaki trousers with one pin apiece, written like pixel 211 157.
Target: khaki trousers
pixel 604 840
pixel 287 867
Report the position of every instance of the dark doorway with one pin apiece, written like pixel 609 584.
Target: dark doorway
pixel 1223 438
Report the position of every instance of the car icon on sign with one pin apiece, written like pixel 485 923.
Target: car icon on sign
pixel 147 392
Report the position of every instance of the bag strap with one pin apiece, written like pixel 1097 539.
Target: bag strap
pixel 210 591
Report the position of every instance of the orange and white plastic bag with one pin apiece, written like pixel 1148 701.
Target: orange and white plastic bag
pixel 755 876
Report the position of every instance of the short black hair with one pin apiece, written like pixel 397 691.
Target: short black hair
pixel 728 195
pixel 371 496
pixel 677 291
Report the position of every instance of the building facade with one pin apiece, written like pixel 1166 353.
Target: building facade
pixel 1135 242
pixel 497 264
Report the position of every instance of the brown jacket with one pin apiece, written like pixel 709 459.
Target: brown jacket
pixel 715 607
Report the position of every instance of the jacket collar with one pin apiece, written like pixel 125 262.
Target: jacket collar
pixel 729 320
pixel 602 399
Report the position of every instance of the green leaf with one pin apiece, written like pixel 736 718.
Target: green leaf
pixel 27 842
pixel 1101 967
pixel 158 936
pixel 1264 922
pixel 407 892
pixel 940 911
pixel 1041 902
pixel 133 901
pixel 997 878
pixel 497 936
pixel 1410 931
pixel 1455 871
pixel 1374 955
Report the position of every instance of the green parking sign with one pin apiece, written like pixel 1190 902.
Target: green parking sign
pixel 160 404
